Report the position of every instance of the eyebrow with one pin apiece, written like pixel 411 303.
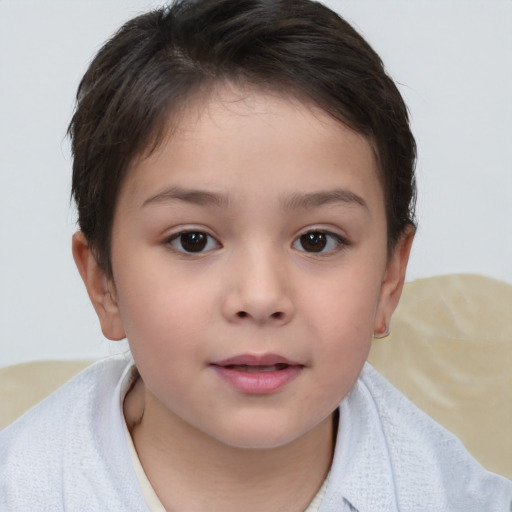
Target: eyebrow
pixel 296 201
pixel 199 197
pixel 316 199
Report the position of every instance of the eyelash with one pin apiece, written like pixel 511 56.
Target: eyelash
pixel 329 239
pixel 177 238
pixel 205 242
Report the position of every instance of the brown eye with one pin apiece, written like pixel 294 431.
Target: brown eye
pixel 319 242
pixel 193 242
pixel 314 241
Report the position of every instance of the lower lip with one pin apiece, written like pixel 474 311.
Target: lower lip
pixel 258 383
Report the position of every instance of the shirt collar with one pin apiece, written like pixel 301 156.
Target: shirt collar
pixel 361 472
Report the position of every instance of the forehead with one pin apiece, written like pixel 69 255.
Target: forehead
pixel 260 136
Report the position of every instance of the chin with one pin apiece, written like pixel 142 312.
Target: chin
pixel 260 441
pixel 260 435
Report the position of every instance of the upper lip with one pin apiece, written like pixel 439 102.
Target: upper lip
pixel 256 360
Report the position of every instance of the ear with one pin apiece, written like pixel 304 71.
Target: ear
pixel 392 283
pixel 101 290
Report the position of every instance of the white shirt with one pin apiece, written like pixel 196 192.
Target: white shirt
pixel 70 453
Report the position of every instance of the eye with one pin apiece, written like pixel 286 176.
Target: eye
pixel 193 242
pixel 318 241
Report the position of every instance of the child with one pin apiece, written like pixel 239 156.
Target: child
pixel 243 171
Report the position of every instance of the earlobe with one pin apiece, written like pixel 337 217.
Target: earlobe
pixel 100 289
pixel 392 283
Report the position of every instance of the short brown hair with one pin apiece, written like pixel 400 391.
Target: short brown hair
pixel 155 63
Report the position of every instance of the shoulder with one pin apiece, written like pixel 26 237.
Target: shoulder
pixel 427 458
pixel 67 404
pixel 416 464
pixel 67 441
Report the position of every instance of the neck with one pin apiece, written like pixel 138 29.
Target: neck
pixel 179 459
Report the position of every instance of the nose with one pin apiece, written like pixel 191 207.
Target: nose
pixel 259 289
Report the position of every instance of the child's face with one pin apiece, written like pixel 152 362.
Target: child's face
pixel 250 269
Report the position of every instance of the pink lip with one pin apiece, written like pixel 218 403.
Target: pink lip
pixel 253 374
pixel 256 360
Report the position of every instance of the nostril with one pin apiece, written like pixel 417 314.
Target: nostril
pixel 278 315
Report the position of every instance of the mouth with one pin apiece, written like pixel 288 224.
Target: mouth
pixel 257 368
pixel 257 375
pixel 256 360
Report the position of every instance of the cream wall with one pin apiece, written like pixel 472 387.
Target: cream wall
pixel 452 59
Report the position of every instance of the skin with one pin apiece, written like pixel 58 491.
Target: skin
pixel 255 172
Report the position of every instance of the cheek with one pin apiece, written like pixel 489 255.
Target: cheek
pixel 346 305
pixel 342 320
pixel 164 335
pixel 161 311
